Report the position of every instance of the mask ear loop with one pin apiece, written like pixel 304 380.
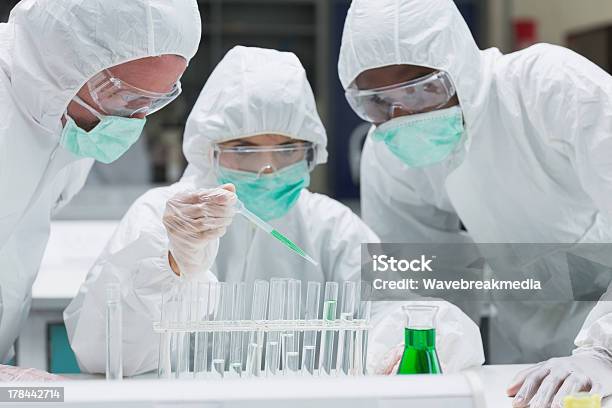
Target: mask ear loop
pixel 213 155
pixel 145 110
pixel 311 157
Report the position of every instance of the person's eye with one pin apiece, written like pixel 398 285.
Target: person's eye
pixel 431 88
pixel 378 100
pixel 249 155
pixel 239 147
pixel 137 103
pixel 113 92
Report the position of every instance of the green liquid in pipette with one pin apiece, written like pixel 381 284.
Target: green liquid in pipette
pixel 266 227
pixel 420 355
pixel 289 244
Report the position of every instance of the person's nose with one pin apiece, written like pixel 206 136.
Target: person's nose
pixel 268 163
pixel 267 169
pixel 139 115
pixel 397 111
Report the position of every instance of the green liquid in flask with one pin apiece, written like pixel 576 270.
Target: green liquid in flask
pixel 420 355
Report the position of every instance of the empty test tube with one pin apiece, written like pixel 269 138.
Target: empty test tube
pixel 193 318
pixel 205 307
pixel 173 311
pixel 114 353
pixel 278 288
pixel 364 311
pixel 361 339
pixel 222 313
pixel 290 339
pixel 258 313
pixel 309 351
pixel 183 337
pixel 235 358
pixel 327 336
pixel 164 364
pixel 344 358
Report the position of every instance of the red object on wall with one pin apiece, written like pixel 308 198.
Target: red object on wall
pixel 525 33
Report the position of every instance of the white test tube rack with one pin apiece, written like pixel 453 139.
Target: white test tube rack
pixel 260 326
pixel 359 328
pixel 199 322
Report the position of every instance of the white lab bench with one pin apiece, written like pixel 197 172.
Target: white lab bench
pixel 480 388
pixel 72 249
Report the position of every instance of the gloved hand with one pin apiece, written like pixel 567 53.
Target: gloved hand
pixel 547 383
pixel 10 373
pixel 389 364
pixel 458 342
pixel 194 222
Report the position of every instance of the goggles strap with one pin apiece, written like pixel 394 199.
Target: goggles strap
pixel 85 105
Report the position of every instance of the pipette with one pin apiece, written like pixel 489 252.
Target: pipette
pixel 240 208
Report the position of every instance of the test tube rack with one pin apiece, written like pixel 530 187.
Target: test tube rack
pixel 260 326
pixel 204 332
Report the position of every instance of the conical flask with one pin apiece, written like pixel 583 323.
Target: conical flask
pixel 420 355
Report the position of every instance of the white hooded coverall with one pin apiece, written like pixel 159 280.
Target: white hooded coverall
pixel 48 50
pixel 536 166
pixel 252 91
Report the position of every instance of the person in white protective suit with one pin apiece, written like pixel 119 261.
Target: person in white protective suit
pixel 516 147
pixel 76 82
pixel 255 125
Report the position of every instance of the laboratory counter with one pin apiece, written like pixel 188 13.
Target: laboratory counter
pixel 479 388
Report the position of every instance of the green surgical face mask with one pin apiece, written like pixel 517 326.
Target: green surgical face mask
pixel 423 139
pixel 108 141
pixel 269 196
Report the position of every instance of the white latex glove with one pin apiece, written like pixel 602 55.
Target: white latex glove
pixel 547 383
pixel 10 373
pixel 195 221
pixel 389 364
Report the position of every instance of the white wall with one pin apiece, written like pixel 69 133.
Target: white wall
pixel 558 17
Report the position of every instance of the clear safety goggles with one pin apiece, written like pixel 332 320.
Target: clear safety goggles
pixel 116 97
pixel 424 94
pixel 263 159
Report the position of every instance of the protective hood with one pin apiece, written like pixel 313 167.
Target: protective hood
pixel 60 44
pixel 253 91
pixel 430 33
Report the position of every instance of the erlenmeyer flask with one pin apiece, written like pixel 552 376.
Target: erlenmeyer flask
pixel 420 355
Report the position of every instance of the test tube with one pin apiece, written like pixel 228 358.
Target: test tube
pixel 173 317
pixel 309 352
pixel 164 365
pixel 235 362
pixel 258 313
pixel 183 338
pixel 114 352
pixel 363 313
pixel 327 336
pixel 344 357
pixel 361 341
pixel 222 313
pixel 193 315
pixel 278 288
pixel 290 339
pixel 205 307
